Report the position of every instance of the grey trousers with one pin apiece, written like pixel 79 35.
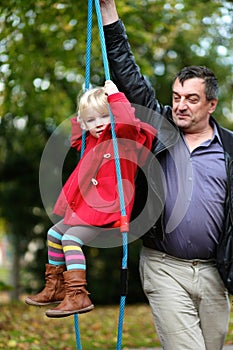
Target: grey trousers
pixel 189 302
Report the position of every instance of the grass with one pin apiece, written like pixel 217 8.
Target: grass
pixel 26 327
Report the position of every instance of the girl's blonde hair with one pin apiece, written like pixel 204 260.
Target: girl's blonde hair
pixel 94 98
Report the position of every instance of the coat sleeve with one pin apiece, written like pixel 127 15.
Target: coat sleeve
pixel 124 70
pixel 76 134
pixel 122 110
pixel 127 125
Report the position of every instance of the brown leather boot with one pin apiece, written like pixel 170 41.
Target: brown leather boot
pixel 54 290
pixel 76 300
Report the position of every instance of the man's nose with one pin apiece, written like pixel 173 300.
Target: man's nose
pixel 182 104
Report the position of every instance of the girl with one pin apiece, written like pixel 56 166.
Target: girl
pixel 89 200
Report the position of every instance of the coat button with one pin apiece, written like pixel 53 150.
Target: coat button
pixel 107 155
pixel 94 181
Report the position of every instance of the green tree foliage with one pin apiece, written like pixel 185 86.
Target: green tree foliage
pixel 42 55
pixel 169 35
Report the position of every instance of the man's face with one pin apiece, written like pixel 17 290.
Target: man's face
pixel 190 108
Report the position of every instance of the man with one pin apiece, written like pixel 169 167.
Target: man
pixel 180 278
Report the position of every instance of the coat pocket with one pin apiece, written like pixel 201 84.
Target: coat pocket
pixel 102 193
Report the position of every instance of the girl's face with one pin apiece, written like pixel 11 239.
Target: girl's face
pixel 96 122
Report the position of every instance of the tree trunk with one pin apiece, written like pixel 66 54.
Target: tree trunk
pixel 15 279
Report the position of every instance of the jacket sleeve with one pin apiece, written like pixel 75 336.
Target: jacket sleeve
pixel 124 70
pixel 76 135
pixel 124 115
pixel 130 127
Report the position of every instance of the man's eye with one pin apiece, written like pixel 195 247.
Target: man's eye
pixel 193 100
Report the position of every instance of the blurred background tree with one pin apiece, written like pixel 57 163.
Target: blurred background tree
pixel 42 55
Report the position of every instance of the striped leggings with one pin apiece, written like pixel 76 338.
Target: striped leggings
pixel 65 244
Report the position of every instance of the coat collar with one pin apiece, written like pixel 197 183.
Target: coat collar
pixel 226 137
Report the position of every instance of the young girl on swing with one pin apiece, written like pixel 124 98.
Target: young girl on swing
pixel 89 201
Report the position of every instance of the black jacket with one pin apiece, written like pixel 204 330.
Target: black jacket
pixel 127 76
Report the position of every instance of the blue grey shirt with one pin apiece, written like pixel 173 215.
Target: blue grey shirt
pixel 195 189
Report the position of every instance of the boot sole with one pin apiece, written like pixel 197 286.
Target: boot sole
pixel 35 303
pixel 58 314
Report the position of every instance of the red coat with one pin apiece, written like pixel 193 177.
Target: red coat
pixel 90 195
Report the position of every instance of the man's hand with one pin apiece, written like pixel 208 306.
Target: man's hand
pixel 109 11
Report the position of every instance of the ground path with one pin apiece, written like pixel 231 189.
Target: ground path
pixel 226 347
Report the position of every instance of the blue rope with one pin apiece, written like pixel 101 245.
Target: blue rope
pixel 102 40
pixel 88 47
pixel 88 62
pixel 119 179
pixel 87 85
pixel 118 169
pixel 77 332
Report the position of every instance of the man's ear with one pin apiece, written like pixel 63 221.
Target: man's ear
pixel 213 105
